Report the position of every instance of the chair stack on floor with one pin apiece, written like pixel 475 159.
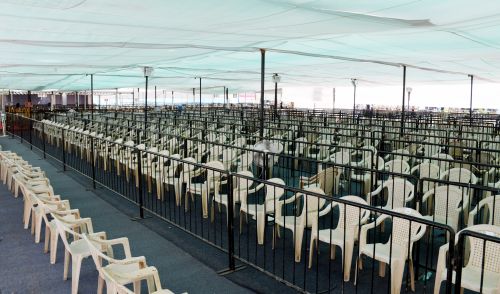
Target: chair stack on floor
pixel 42 207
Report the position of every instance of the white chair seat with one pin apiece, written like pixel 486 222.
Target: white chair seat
pixel 383 252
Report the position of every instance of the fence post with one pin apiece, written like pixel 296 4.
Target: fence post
pixel 457 264
pixel 139 183
pixel 31 131
pixel 43 140
pixel 63 149
pixel 230 221
pixel 185 147
pixel 93 161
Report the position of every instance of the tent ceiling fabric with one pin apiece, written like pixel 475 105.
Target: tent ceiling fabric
pixel 53 44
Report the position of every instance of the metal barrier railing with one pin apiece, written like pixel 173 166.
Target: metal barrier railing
pixel 187 194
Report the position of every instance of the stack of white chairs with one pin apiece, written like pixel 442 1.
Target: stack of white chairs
pixel 43 207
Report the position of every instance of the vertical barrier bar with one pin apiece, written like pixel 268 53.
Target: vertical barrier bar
pixel 43 140
pixel 262 77
pixel 230 221
pixel 93 161
pixel 63 150
pixel 403 107
pixel 139 183
pixel 30 131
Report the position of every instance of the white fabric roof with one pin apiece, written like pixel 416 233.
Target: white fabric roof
pixel 53 44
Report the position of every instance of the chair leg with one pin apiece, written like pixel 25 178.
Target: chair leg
pixel 38 228
pixel 137 287
pixel 100 284
pixel 381 269
pixel 53 247
pixel 412 275
pixel 33 222
pixel 75 274
pixel 311 249
pixel 66 264
pixel 46 239
pixel 298 234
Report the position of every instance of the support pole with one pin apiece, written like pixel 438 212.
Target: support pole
pixel 403 106
pixel 354 84
pixel 194 97
pixel 470 104
pixel 224 97
pixel 172 99
pixel 92 96
pixel 155 96
pixel 227 96
pixel 146 108
pixel 200 96
pixel 116 98
pixel 333 102
pixel 275 99
pixel 133 97
pixel 262 77
pixel 77 100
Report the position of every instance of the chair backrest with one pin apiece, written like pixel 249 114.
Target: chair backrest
pixel 459 175
pixel 492 206
pixel 312 206
pixel 426 170
pixel 447 199
pixel 328 179
pixel 443 160
pixel 397 166
pixel 274 192
pixel 399 192
pixel 401 228
pixel 187 169
pixel 491 252
pixel 64 231
pixel 300 145
pixel 341 157
pixel 354 216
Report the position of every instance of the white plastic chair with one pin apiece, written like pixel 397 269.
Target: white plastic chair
pixel 399 192
pixel 491 212
pixel 78 249
pixel 241 185
pixel 397 250
pixel 311 211
pixel 397 166
pixel 213 178
pixel 471 271
pixel 121 271
pixel 426 170
pixel 349 219
pixel 260 211
pixel 448 202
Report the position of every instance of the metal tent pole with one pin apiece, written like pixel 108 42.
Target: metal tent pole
pixel 194 96
pixel 200 96
pixel 155 96
pixel 275 99
pixel 403 106
pixel 146 107
pixel 92 95
pixel 333 102
pixel 470 104
pixel 262 77
pixel 224 97
pixel 354 83
pixel 172 99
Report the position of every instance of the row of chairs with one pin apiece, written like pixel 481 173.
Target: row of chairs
pixel 43 207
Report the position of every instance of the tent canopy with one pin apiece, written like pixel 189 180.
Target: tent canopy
pixel 54 44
